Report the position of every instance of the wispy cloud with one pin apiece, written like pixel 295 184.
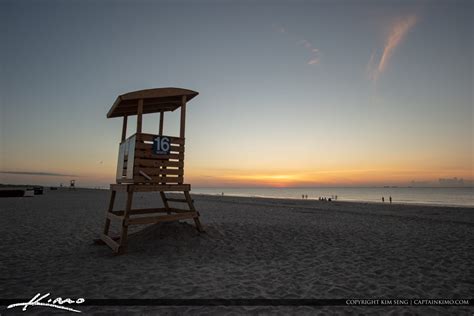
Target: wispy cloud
pixel 372 66
pixel 395 36
pixel 35 173
pixel 278 28
pixel 314 52
pixel 305 43
pixel 314 59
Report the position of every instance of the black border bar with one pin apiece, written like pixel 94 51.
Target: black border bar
pixel 260 302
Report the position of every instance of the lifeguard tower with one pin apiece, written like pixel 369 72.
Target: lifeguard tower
pixel 149 163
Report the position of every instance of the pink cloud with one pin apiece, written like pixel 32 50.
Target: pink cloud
pixel 396 35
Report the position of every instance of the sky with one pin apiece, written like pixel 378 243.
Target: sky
pixel 291 93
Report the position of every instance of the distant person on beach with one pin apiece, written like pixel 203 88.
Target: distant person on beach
pixel 302 196
pixel 335 198
pixel 390 199
pixel 383 199
pixel 306 196
pixel 222 193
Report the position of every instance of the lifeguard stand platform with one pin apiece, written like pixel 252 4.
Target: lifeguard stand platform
pixel 149 163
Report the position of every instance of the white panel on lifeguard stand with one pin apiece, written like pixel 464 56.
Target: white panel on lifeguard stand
pixel 126 151
pixel 121 158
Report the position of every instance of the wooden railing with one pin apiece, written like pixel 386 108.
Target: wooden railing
pixel 148 167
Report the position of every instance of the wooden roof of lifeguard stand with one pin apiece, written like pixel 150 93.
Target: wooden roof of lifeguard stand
pixel 142 167
pixel 154 100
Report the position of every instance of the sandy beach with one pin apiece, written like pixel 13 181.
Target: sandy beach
pixel 252 248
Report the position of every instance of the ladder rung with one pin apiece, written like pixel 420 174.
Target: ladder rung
pixel 177 200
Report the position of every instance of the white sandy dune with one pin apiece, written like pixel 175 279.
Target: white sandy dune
pixel 253 248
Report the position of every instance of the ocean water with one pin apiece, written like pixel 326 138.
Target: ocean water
pixel 433 196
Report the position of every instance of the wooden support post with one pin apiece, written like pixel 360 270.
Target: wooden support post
pixel 124 128
pixel 110 209
pixel 160 132
pixel 110 242
pixel 139 116
pixel 183 117
pixel 162 117
pixel 165 202
pixel 192 208
pixel 123 236
pixel 182 129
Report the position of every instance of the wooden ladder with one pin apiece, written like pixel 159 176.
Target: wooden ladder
pixel 154 215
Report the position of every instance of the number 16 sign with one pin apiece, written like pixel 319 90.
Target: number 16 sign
pixel 161 145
